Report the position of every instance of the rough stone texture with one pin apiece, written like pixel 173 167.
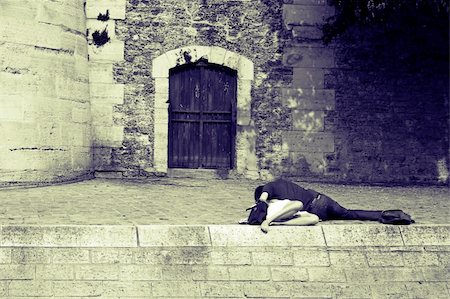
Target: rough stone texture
pixel 44 93
pixel 273 266
pixel 152 28
pixel 348 111
pixel 391 121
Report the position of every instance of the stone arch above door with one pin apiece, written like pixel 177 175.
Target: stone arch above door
pixel 246 164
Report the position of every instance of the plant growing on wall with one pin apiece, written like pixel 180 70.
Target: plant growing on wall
pixel 103 17
pixel 426 14
pixel 100 38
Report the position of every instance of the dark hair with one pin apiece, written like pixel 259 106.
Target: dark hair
pixel 258 192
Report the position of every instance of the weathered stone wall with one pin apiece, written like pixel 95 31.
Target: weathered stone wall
pixel 250 29
pixel 327 261
pixel 44 92
pixel 361 109
pixel 380 108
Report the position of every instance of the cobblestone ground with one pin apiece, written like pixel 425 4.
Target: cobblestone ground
pixel 193 201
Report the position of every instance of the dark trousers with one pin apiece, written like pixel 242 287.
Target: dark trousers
pixel 328 209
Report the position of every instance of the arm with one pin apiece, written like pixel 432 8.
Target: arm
pixel 304 218
pixel 264 196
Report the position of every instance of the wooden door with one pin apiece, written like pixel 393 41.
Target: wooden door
pixel 202 113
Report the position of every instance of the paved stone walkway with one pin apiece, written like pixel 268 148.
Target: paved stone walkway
pixel 193 201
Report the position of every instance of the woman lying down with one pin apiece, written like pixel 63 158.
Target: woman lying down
pixel 291 204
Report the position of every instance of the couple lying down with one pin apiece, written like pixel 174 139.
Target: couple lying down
pixel 291 204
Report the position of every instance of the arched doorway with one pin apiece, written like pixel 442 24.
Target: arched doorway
pixel 202 116
pixel 244 158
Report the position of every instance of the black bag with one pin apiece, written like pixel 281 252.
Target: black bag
pixel 397 217
pixel 257 213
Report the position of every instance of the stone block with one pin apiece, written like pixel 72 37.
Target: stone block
pixel 140 272
pixel 78 288
pixel 310 121
pixel 26 9
pixel 249 273
pixel 307 32
pixel 61 14
pixel 273 257
pixel 308 78
pixel 301 141
pixel 231 257
pixel 177 272
pixel 426 235
pixel 362 235
pixel 116 9
pixel 326 274
pixel 111 255
pixel 12 108
pixel 68 236
pixel 348 259
pixel 244 117
pixel 161 85
pixel 436 273
pixel 217 55
pixel 5 255
pixel 31 256
pixel 245 69
pixel 389 290
pixel 309 57
pixel 161 67
pixel 96 272
pixel 308 99
pixel 308 257
pixel 205 273
pixel 170 235
pixel 231 60
pixel 81 113
pixel 307 162
pixel 178 289
pixel 289 273
pixel 55 272
pixel 235 235
pixel 244 93
pixel 71 89
pixel 107 136
pixel 305 14
pixel 186 55
pixel 30 288
pixel 106 93
pixel 101 72
pixel 70 256
pixel 113 51
pixel 161 100
pixel 268 290
pixel 427 290
pixel 102 114
pixel 223 289
pixel 16 272
pixel 17 84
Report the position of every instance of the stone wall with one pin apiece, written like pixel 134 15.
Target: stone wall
pixel 369 107
pixel 380 108
pixel 44 92
pixel 250 29
pixel 312 104
pixel 325 261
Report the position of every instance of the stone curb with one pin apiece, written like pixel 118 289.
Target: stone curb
pixel 223 236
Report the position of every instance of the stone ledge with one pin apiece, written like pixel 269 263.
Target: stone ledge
pixel 328 235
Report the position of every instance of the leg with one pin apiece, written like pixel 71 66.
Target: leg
pixel 328 209
pixel 303 218
pixel 280 211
